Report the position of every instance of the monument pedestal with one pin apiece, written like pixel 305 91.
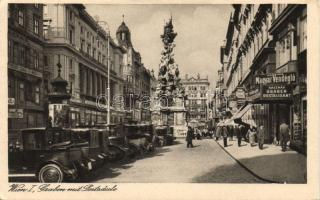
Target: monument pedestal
pixel 172 116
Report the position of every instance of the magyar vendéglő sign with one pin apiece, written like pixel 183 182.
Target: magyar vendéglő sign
pixel 276 78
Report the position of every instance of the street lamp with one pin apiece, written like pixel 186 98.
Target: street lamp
pixel 108 68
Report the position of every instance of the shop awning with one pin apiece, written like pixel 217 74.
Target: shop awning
pixel 229 122
pixel 241 112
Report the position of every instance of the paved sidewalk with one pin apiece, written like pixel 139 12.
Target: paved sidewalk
pixel 270 163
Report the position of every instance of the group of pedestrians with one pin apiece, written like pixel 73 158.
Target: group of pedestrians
pixel 250 134
pixel 230 131
pixel 242 132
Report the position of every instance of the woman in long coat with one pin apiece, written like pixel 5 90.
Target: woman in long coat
pixel 225 134
pixel 218 132
pixel 189 137
pixel 251 134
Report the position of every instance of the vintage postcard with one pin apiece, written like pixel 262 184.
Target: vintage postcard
pixel 160 100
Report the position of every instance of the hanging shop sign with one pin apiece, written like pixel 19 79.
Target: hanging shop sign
pixel 254 93
pixel 276 78
pixel 240 94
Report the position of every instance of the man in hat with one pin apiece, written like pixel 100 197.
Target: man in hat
pixel 189 137
pixel 284 134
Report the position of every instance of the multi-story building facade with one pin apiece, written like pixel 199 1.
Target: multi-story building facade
pixel 265 58
pixel 197 91
pixel 289 32
pixel 25 68
pixel 136 78
pixel 80 44
pixel 219 96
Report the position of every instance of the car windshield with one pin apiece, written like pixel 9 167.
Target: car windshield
pixel 80 136
pixel 33 140
pixel 57 136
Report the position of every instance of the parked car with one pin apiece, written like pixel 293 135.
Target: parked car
pixel 165 137
pixel 47 153
pixel 118 146
pixel 140 135
pixel 95 144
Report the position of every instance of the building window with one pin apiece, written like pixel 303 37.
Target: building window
pixel 37 95
pixel 94 53
pixel 21 18
pixel 11 87
pixel 81 30
pixel 36 5
pixel 35 25
pixel 10 51
pixel 21 55
pixel 99 57
pixel 70 15
pixel 82 45
pixel 36 60
pixel 29 92
pixel 21 91
pixel 103 59
pixel 89 49
pixel 31 122
pixel 45 60
pixel 70 64
pixel 70 36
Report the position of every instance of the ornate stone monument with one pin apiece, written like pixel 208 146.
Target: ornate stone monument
pixel 170 93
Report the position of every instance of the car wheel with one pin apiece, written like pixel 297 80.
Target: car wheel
pixel 50 173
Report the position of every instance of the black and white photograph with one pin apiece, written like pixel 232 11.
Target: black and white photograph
pixel 157 93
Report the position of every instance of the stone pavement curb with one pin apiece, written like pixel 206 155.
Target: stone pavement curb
pixel 270 164
pixel 244 166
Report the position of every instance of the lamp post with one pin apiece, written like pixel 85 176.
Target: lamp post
pixel 108 69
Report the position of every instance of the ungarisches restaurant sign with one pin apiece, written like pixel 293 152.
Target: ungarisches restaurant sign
pixel 273 92
pixel 276 78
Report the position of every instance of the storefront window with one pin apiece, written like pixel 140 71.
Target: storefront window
pixel 31 120
pixel 21 91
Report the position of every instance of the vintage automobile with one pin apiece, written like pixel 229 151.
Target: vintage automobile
pixel 96 153
pixel 140 136
pixel 118 145
pixel 47 153
pixel 165 136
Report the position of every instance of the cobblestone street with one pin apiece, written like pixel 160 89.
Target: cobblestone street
pixel 205 163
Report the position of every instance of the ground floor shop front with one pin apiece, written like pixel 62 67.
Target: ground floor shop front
pixel 272 114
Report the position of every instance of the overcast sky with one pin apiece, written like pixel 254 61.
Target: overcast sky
pixel 201 30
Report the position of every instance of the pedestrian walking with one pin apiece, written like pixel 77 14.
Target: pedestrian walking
pixel 238 134
pixel 243 132
pixel 261 134
pixel 189 137
pixel 218 132
pixel 251 135
pixel 230 133
pixel 198 136
pixel 225 136
pixel 284 135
